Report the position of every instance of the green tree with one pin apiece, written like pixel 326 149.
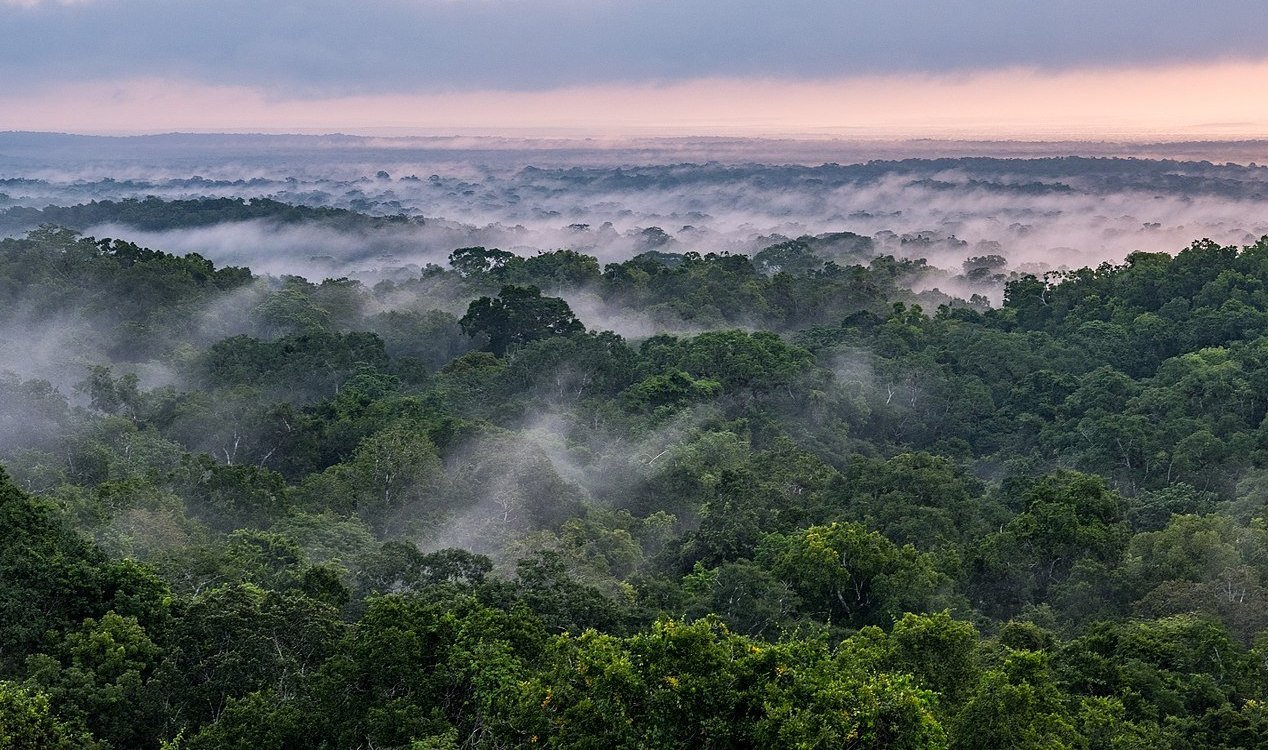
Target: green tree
pixel 850 575
pixel 51 579
pixel 1069 520
pixel 27 724
pixel 518 315
pixel 103 677
pixel 1015 707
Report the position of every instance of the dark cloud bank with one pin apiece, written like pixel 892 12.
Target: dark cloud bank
pixel 322 46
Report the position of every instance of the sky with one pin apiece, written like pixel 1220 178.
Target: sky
pixel 1062 68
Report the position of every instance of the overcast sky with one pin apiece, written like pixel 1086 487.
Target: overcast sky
pixel 287 54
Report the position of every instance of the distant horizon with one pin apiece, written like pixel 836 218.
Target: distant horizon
pixel 1081 70
pixel 22 151
pixel 572 134
pixel 1206 101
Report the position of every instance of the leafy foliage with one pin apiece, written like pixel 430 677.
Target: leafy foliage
pixel 251 512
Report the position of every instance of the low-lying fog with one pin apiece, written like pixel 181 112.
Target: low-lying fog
pixel 610 199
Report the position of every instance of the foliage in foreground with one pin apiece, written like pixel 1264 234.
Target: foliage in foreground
pixel 266 513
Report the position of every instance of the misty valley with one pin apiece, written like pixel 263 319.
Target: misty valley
pixel 360 443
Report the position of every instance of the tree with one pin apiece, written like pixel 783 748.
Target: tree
pixel 414 667
pixel 1015 707
pixel 27 724
pixel 1208 564
pixel 518 315
pixel 235 640
pixel 231 496
pixel 1071 519
pixel 748 598
pixel 391 470
pixel 478 262
pixel 51 578
pixel 669 389
pixel 917 498
pixel 111 395
pixel 737 360
pixel 562 603
pixel 103 676
pixel 850 575
pixel 1173 668
pixel 939 651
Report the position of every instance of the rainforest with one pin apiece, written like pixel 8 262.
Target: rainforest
pixel 797 496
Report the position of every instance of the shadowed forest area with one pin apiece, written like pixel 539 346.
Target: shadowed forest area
pixel 789 502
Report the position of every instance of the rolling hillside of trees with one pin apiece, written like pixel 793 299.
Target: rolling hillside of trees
pixel 459 511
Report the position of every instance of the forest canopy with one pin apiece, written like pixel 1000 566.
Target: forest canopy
pixel 807 507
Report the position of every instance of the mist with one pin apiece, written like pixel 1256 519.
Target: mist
pixel 615 199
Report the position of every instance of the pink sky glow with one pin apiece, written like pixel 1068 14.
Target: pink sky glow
pixel 1222 100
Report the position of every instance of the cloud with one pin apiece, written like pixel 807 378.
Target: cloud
pixel 38 3
pixel 334 48
pixel 1190 100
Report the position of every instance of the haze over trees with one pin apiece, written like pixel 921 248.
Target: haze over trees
pixel 447 510
pixel 374 208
